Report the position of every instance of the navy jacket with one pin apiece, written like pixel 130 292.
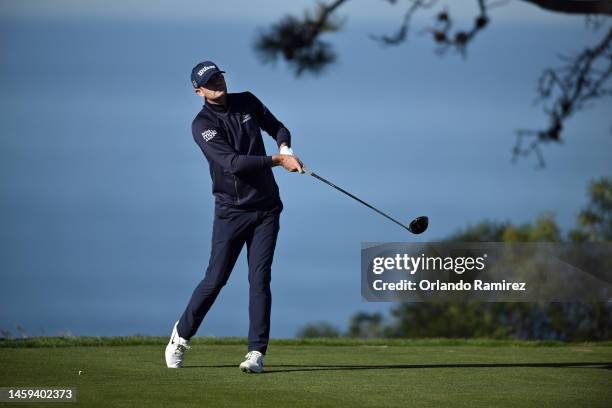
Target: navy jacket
pixel 231 141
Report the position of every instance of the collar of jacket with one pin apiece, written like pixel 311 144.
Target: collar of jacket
pixel 219 108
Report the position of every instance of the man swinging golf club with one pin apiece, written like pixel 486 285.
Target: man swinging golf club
pixel 247 206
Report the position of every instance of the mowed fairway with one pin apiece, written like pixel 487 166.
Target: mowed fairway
pixel 397 374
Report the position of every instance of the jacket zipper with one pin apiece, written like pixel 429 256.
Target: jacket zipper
pixel 236 188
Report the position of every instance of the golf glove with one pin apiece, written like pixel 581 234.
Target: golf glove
pixel 286 150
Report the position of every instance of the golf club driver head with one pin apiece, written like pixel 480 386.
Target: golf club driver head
pixel 419 225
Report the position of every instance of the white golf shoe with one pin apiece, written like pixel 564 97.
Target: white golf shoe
pixel 253 362
pixel 175 349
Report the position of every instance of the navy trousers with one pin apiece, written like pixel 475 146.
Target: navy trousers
pixel 232 228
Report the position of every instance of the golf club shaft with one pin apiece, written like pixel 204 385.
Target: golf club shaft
pixel 329 183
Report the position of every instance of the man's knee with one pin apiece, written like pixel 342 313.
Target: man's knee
pixel 214 282
pixel 259 279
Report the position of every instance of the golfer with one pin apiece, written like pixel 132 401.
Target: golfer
pixel 247 206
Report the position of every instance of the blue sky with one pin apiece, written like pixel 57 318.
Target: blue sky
pixel 105 198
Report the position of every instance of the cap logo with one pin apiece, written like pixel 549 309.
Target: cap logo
pixel 204 69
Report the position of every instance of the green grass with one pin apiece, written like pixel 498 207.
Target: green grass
pixel 130 372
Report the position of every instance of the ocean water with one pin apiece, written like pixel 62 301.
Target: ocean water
pixel 106 207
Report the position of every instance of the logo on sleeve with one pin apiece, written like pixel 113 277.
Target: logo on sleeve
pixel 209 134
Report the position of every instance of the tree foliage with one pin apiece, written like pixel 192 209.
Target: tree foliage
pixel 595 220
pixel 319 329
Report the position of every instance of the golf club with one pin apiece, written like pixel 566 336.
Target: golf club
pixel 416 226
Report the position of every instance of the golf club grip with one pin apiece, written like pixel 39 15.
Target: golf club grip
pixel 329 183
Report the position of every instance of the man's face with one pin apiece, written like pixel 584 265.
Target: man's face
pixel 215 87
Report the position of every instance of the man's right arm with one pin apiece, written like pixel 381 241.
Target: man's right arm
pixel 213 143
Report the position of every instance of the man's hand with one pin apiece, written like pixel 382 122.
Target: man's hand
pixel 290 163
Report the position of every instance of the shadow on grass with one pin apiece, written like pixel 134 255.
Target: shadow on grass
pixel 284 368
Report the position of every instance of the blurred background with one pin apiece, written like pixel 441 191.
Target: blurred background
pixel 105 199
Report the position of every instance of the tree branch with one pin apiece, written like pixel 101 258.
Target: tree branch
pixel 572 86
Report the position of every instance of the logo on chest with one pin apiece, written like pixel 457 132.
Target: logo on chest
pixel 245 118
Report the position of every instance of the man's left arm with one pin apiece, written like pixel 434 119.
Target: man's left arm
pixel 272 126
